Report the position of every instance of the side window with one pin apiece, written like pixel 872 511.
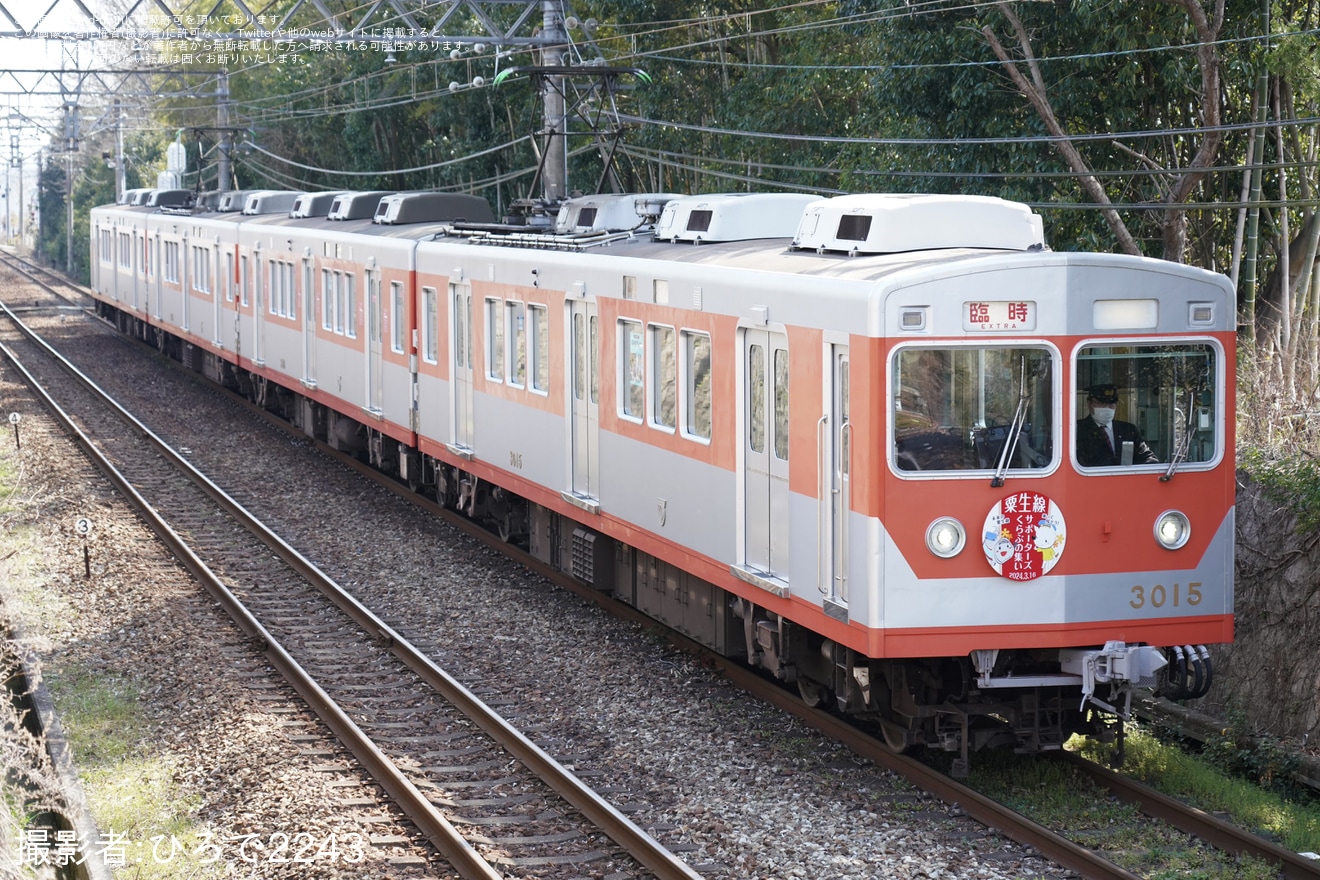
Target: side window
pixel 664 378
pixel 539 338
pixel 517 337
pixel 595 359
pixel 494 340
pixel 290 294
pixel 201 274
pixel 396 317
pixel 341 284
pixel 781 404
pixel 375 308
pixel 462 334
pixel 579 357
pixel 329 299
pixel 696 385
pixel 349 289
pixel 756 403
pixel 430 325
pixel 171 261
pixel 632 369
pixel 309 296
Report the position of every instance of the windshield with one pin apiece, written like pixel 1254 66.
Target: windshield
pixel 952 408
pixel 1158 401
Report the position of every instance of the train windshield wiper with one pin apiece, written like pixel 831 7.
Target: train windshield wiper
pixel 1014 429
pixel 1184 442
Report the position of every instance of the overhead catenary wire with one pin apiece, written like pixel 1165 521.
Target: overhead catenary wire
pixel 944 65
pixel 968 141
pixel 650 154
pixel 249 145
pixel 261 112
pixel 774 184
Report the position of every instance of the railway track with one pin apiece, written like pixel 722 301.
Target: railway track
pixel 1072 856
pixel 1054 846
pixel 488 799
pixel 74 295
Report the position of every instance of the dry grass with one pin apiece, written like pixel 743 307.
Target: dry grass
pixel 1278 410
pixel 30 785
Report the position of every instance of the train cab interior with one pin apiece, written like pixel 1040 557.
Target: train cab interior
pixel 1166 391
pixel 973 408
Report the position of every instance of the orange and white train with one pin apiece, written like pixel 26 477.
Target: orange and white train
pixel 834 436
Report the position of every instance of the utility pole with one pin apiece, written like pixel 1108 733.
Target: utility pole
pixel 41 155
pixel 16 161
pixel 120 180
pixel 556 119
pixel 70 147
pixel 226 142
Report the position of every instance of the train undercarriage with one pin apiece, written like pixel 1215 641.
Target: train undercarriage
pixel 1030 701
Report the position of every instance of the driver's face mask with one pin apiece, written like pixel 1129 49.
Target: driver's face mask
pixel 1103 414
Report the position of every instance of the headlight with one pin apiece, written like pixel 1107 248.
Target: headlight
pixel 945 537
pixel 1172 529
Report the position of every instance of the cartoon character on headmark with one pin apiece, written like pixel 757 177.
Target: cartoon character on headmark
pixel 997 540
pixel 1048 540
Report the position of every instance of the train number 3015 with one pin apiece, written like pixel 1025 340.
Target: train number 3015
pixel 1158 595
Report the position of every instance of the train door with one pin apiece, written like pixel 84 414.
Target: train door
pixel 375 358
pixel 584 401
pixel 258 309
pixel 835 437
pixel 160 276
pixel 217 286
pixel 765 452
pixel 460 318
pixel 240 302
pixel 139 275
pixel 228 285
pixel 117 280
pixel 142 280
pixel 309 323
pixel 187 278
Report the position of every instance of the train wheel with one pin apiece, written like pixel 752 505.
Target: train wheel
pixel 446 487
pixel 813 693
pixel 899 736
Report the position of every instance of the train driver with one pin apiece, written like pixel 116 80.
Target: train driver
pixel 1102 440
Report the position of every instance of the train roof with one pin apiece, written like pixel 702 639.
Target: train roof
pixel 864 238
pixel 732 216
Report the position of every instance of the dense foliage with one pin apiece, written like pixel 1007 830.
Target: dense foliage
pixel 1129 126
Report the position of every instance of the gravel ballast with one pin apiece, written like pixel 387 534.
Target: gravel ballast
pixel 741 790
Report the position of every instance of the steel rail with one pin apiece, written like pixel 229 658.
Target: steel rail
pixel 1220 834
pixel 981 808
pixel 1014 825
pixel 437 829
pixel 1088 864
pixel 618 827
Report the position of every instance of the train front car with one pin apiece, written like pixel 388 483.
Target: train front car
pixel 1057 501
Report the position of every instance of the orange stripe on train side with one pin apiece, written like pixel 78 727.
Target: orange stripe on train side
pixel 877 643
